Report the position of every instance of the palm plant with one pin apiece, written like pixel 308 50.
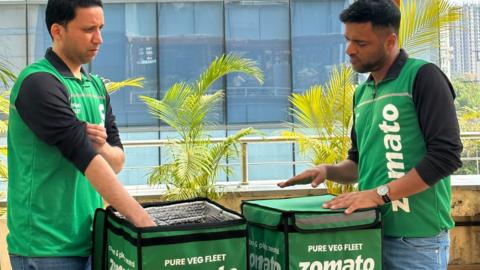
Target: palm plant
pixel 194 159
pixel 113 87
pixel 423 23
pixel 326 111
pixel 4 106
pixel 6 78
pixel 467 103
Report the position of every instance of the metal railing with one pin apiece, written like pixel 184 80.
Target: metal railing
pixel 245 142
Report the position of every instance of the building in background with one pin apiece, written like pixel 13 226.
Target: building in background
pixel 464 40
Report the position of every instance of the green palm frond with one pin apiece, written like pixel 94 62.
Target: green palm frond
pixel 423 21
pixel 4 107
pixel 194 160
pixel 224 149
pixel 171 109
pixel 3 126
pixel 469 119
pixel 3 171
pixel 161 174
pixel 197 108
pixel 307 108
pixel 4 102
pixel 6 75
pixel 224 65
pixel 343 100
pixel 469 114
pixel 193 171
pixel 3 165
pixel 112 87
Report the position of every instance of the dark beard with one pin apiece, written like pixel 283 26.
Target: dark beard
pixel 371 66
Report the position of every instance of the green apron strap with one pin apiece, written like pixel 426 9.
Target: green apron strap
pixel 99 237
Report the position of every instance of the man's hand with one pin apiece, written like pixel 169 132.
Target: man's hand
pixel 355 200
pixel 145 221
pixel 315 176
pixel 97 134
pixel 112 154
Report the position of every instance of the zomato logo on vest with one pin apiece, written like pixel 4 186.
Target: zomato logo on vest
pixel 393 154
pixel 76 107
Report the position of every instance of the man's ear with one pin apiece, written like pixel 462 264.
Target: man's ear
pixel 392 40
pixel 57 31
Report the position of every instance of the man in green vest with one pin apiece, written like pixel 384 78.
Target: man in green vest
pixel 405 141
pixel 64 147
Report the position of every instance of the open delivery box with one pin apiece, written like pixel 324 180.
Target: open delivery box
pixel 195 234
pixel 297 233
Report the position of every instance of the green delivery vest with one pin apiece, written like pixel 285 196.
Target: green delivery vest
pixel 50 202
pixel 390 144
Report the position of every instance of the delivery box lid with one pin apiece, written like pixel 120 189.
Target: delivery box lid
pixel 305 214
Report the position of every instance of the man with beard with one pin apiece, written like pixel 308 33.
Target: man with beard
pixel 64 147
pixel 405 141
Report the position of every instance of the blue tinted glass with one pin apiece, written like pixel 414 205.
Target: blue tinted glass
pixel 267 161
pixel 259 30
pixel 12 37
pixel 38 37
pixel 191 36
pixel 129 50
pixel 139 160
pixel 317 41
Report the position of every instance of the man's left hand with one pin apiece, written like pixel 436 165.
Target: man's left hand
pixel 97 134
pixel 355 200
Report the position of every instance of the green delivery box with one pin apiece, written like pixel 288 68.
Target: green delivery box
pixel 195 234
pixel 297 233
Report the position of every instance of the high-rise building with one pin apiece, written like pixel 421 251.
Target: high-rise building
pixel 465 43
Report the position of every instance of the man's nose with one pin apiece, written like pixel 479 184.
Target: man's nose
pixel 97 38
pixel 350 49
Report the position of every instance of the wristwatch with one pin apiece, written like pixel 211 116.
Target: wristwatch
pixel 382 191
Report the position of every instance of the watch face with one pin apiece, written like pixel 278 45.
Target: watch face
pixel 382 190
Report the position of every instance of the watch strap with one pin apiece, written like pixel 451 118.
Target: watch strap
pixel 386 199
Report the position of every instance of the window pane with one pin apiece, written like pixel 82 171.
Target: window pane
pixel 13 41
pixel 191 36
pixel 317 41
pixel 259 30
pixel 139 160
pixel 129 50
pixel 38 37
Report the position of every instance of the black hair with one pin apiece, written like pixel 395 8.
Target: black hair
pixel 63 11
pixel 381 13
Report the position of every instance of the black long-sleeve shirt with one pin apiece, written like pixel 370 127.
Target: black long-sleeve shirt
pixel 48 113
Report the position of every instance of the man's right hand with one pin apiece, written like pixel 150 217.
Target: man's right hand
pixel 144 219
pixel 315 176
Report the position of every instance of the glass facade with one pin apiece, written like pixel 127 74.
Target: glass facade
pixel 295 43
